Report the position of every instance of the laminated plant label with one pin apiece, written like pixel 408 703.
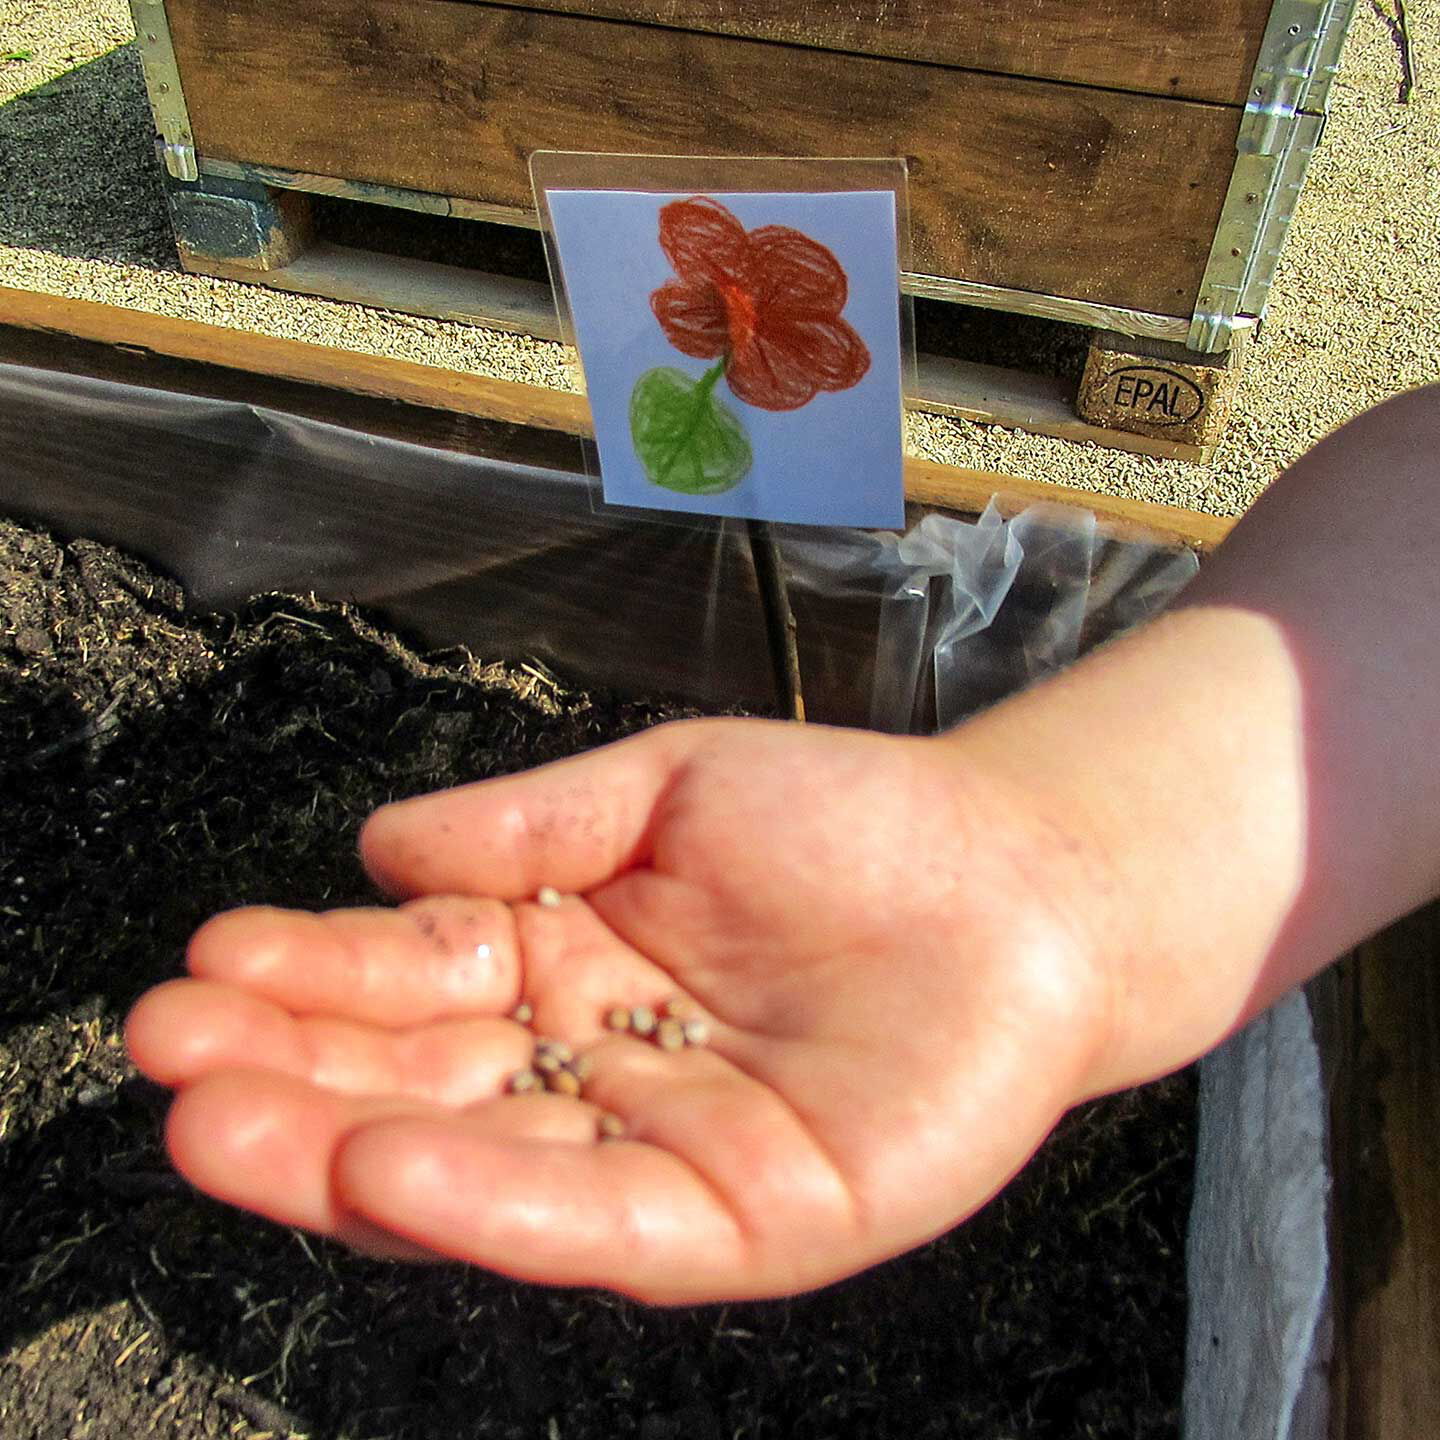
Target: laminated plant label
pixel 741 350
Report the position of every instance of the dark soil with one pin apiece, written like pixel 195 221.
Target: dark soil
pixel 156 766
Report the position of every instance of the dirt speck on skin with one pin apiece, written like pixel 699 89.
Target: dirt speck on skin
pixel 156 766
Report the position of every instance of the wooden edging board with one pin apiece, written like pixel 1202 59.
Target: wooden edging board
pixel 530 406
pixel 1378 1027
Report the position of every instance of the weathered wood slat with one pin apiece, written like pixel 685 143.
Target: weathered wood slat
pixel 526 406
pixel 413 287
pixel 1381 1020
pixel 1193 52
pixel 1093 194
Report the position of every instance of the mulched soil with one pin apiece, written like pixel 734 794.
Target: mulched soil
pixel 156 766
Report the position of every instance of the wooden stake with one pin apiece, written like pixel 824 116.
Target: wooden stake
pixel 779 617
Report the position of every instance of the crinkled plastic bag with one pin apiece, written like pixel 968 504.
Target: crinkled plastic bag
pixel 971 611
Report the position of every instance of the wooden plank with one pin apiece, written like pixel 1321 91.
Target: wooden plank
pixel 926 482
pixel 950 487
pixel 132 364
pixel 1383 1059
pixel 341 189
pixel 414 287
pixel 1090 194
pixel 1195 52
pixel 1140 323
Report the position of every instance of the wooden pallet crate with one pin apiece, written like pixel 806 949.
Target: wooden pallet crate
pixel 1112 164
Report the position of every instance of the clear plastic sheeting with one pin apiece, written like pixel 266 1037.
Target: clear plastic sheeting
pixel 965 613
pixel 236 500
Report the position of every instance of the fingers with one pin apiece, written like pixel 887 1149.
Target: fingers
pixel 432 959
pixel 621 1215
pixel 264 1142
pixel 180 1032
pixel 572 824
pixel 267 1142
pixel 423 963
pixel 742 1136
pixel 521 1184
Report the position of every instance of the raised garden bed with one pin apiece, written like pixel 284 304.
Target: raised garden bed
pixel 159 765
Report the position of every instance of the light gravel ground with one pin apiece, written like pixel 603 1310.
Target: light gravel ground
pixel 1354 317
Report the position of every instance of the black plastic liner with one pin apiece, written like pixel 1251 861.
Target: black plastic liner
pixel 512 560
pixel 237 500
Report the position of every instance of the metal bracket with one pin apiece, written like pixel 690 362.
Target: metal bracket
pixel 162 81
pixel 1282 124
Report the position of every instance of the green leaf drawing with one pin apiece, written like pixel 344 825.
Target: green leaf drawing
pixel 686 438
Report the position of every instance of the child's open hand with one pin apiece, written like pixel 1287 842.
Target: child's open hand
pixel 898 1014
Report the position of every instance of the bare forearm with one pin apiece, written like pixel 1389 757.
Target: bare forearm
pixel 1247 787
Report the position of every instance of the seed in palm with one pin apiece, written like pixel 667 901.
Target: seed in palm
pixel 549 897
pixel 523 1013
pixel 550 1055
pixel 550 1062
pixel 642 1020
pixel 523 1081
pixel 563 1082
pixel 670 1034
pixel 697 1031
pixel 617 1017
pixel 610 1127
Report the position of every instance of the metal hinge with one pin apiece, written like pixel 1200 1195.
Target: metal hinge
pixel 1283 121
pixel 162 81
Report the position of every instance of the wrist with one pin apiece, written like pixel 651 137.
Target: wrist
pixel 1159 785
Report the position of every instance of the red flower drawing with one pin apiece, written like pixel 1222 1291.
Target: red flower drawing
pixel 767 299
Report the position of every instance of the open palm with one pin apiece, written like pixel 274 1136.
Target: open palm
pixel 896 1019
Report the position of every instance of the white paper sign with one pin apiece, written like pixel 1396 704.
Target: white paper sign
pixel 741 350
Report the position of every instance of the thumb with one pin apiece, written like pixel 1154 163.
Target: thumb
pixel 573 824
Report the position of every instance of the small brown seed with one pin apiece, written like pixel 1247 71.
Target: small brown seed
pixel 581 1067
pixel 679 1008
pixel 523 1080
pixel 670 1035
pixel 523 1013
pixel 617 1017
pixel 697 1031
pixel 563 1082
pixel 548 896
pixel 547 1062
pixel 611 1127
pixel 642 1020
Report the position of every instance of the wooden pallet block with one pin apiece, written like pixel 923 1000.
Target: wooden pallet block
pixel 1159 390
